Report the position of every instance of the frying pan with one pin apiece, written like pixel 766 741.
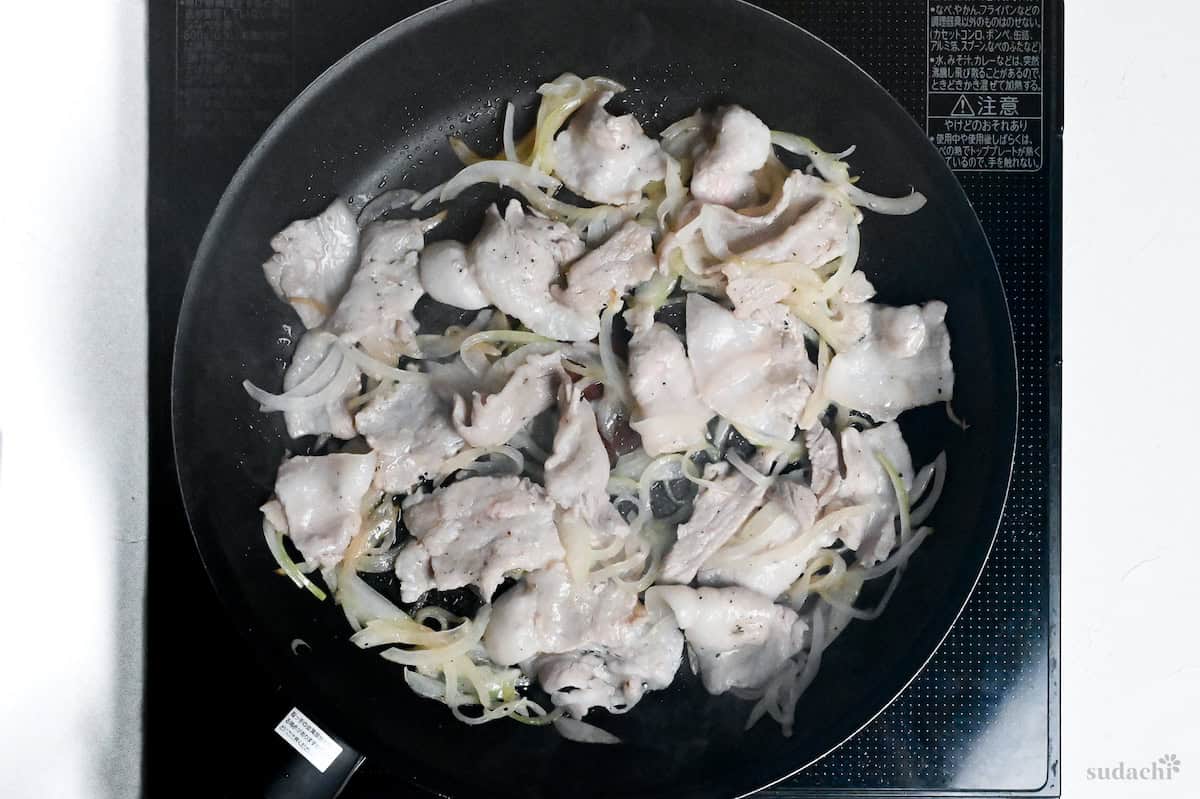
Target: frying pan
pixel 379 118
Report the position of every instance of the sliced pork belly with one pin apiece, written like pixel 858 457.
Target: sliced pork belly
pixel 805 223
pixel 577 469
pixel 475 532
pixel 670 416
pixel 786 520
pixel 548 613
pixel 623 261
pixel 724 172
pixel 867 483
pixel 754 372
pixel 516 258
pixel 617 676
pixel 377 310
pixel 825 469
pixel 605 158
pixel 719 512
pixel 408 426
pixel 527 391
pixel 321 500
pixel 313 262
pixel 903 363
pixel 741 638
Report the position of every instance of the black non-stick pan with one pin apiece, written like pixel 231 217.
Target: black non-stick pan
pixel 379 120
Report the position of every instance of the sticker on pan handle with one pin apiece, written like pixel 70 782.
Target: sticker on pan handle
pixel 308 739
pixel 983 95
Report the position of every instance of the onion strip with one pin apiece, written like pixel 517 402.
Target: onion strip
pixel 922 511
pixel 837 172
pixel 275 545
pixel 384 204
pixel 503 173
pixel 378 369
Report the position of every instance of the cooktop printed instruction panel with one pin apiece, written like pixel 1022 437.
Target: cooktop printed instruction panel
pixel 984 106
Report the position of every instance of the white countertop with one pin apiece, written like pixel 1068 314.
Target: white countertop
pixel 72 406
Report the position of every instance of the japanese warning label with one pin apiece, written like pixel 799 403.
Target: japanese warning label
pixel 984 90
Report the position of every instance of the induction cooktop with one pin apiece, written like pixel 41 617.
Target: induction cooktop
pixel 985 79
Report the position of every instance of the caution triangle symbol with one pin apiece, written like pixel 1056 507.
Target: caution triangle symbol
pixel 962 108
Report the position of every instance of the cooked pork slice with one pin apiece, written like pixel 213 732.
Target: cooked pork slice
pixel 804 223
pixel 719 512
pixel 670 416
pixel 825 473
pixel 606 159
pixel 577 469
pixel 903 363
pixel 313 262
pixel 785 526
pixel 476 532
pixel 333 417
pixel 321 498
pixel 526 392
pixel 548 612
pixel 623 261
pixel 613 677
pixel 868 483
pixel 377 311
pixel 408 426
pixel 741 639
pixel 515 260
pixel 754 372
pixel 724 173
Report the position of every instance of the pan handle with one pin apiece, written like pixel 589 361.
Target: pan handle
pixel 291 771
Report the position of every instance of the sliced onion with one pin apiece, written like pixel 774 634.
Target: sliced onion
pixel 837 172
pixel 443 346
pixel 424 686
pixel 275 545
pixel 584 733
pixel 674 198
pixel 321 377
pixel 877 611
pixel 510 146
pixel 361 603
pixel 922 511
pixel 406 632
pixel 901 495
pixel 467 457
pixel 468 635
pixel 900 556
pixel 385 203
pixel 890 206
pixel 846 264
pixel 954 417
pixel 378 369
pixel 539 717
pixel 464 153
pixel 749 472
pixel 289 402
pixel 504 173
pixel 616 390
pixel 680 137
